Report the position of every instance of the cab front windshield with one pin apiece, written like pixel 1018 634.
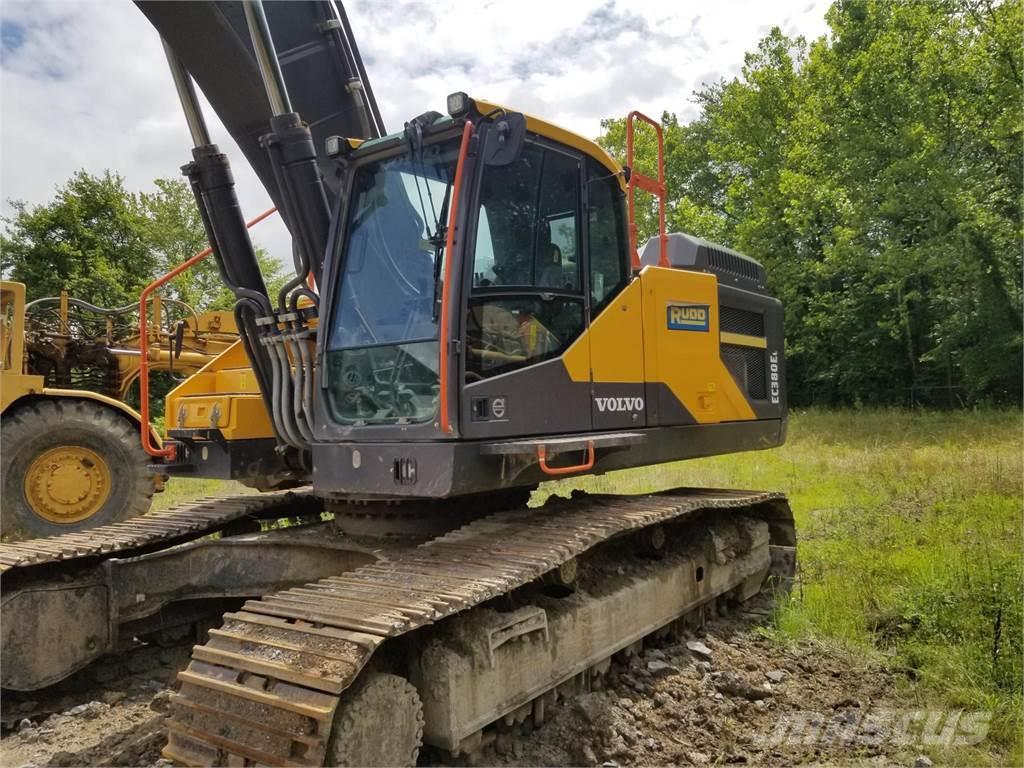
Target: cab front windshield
pixel 382 350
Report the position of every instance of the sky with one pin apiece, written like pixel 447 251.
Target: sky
pixel 84 83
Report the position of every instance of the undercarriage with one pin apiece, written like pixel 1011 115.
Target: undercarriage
pixel 365 651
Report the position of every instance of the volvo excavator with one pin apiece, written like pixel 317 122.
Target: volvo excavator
pixel 470 317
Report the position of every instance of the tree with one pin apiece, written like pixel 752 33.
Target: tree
pixel 877 174
pixel 174 231
pixel 88 239
pixel 104 244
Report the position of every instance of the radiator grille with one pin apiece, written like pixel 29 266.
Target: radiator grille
pixel 748 367
pixel 734 264
pixel 743 321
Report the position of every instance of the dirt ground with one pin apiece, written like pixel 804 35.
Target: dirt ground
pixel 714 699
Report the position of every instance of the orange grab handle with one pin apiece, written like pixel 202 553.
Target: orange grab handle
pixel 166 452
pixel 449 251
pixel 542 456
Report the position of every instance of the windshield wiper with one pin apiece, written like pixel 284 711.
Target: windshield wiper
pixel 438 241
pixel 414 134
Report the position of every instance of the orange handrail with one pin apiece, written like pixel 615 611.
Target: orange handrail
pixel 542 459
pixel 449 250
pixel 646 183
pixel 167 452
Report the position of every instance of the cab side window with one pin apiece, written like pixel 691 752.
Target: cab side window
pixel 608 245
pixel 527 227
pixel 526 304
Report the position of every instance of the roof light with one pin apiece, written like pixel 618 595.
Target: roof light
pixel 336 146
pixel 459 104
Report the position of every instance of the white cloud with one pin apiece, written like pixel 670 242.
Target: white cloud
pixel 85 84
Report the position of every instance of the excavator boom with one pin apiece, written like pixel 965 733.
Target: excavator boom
pixel 319 59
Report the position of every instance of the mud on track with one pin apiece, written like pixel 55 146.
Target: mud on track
pixel 669 706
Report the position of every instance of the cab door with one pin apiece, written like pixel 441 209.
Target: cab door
pixel 526 305
pixel 616 347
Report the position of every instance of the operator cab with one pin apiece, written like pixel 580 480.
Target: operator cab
pixel 480 303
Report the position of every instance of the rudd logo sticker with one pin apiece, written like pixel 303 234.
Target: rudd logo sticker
pixel 619 404
pixel 688 317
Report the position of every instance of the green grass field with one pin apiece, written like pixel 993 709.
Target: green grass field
pixel 910 548
pixel 909 529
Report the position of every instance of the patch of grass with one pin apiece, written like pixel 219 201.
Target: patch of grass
pixel 909 528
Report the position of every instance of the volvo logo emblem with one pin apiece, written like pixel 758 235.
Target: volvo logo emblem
pixel 498 407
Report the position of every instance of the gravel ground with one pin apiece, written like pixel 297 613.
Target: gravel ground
pixel 717 699
pixel 712 699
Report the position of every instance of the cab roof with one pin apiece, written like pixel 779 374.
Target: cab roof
pixel 534 124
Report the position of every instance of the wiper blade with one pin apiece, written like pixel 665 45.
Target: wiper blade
pixel 414 134
pixel 438 241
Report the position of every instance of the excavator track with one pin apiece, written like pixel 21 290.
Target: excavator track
pixel 156 529
pixel 266 686
pixel 67 601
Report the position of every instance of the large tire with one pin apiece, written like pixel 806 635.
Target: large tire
pixel 69 465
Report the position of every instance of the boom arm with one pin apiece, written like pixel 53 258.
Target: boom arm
pixel 319 59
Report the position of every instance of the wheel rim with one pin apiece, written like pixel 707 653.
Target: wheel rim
pixel 67 484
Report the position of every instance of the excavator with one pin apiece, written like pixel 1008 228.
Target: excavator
pixel 470 316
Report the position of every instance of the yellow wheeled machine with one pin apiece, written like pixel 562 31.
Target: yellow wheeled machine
pixel 71 453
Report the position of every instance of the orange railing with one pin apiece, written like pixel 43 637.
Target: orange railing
pixel 587 465
pixel 166 452
pixel 654 186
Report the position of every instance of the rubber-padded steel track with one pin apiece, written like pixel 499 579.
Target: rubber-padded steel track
pixel 265 688
pixel 170 526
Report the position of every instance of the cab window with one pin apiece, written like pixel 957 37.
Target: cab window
pixel 526 303
pixel 606 224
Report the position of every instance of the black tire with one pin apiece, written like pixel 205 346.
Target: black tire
pixel 28 431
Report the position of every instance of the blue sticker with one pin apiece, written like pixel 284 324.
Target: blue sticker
pixel 688 317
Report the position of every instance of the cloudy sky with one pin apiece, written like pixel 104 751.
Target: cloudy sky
pixel 84 84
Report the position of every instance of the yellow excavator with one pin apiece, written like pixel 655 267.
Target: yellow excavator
pixel 72 457
pixel 471 315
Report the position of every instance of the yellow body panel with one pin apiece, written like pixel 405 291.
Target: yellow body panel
pixel 631 342
pixel 612 348
pixel 223 394
pixel 689 361
pixel 14 386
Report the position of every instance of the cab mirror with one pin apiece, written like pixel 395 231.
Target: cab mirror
pixel 504 140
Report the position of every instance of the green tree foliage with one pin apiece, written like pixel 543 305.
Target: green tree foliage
pixel 877 174
pixel 174 232
pixel 104 244
pixel 88 239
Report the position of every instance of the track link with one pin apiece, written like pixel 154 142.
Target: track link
pixel 61 599
pixel 265 688
pixel 155 529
